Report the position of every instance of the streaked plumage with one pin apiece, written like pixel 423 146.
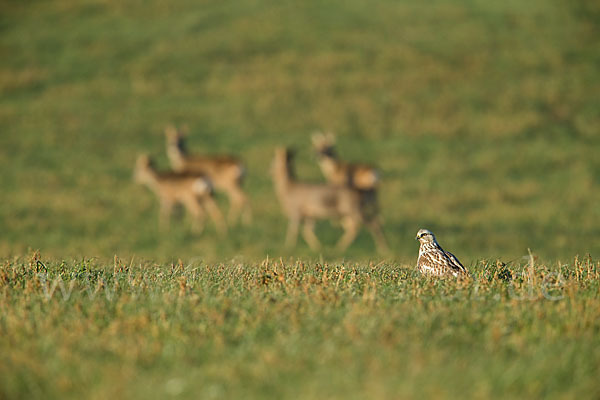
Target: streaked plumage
pixel 435 261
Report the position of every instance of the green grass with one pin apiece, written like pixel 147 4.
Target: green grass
pixel 483 117
pixel 294 329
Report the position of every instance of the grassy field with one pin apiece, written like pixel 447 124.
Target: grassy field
pixel 296 330
pixel 483 117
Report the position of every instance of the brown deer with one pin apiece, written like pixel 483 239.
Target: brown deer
pixel 194 192
pixel 225 172
pixel 306 203
pixel 362 177
pixel 338 172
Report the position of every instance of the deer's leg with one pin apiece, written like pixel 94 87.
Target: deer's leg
pixel 238 205
pixel 215 214
pixel 374 228
pixel 368 204
pixel 308 232
pixel 292 232
pixel 164 214
pixel 247 212
pixel 350 226
pixel 196 212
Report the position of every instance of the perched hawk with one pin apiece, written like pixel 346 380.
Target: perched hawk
pixel 435 261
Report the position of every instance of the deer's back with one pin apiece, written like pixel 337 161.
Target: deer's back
pixel 216 167
pixel 322 201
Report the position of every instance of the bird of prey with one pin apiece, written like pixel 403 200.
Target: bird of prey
pixel 435 261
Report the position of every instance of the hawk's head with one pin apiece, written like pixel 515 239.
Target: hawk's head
pixel 425 236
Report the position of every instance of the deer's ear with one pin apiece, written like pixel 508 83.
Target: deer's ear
pixel 317 138
pixel 170 130
pixel 291 152
pixel 144 159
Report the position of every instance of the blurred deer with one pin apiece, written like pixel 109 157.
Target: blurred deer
pixel 194 192
pixel 306 203
pixel 225 172
pixel 361 177
pixel 338 172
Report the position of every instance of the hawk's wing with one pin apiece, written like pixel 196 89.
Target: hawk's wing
pixel 455 265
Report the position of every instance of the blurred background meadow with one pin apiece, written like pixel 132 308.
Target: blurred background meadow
pixel 482 116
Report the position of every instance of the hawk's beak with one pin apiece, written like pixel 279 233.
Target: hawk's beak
pixel 416 238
